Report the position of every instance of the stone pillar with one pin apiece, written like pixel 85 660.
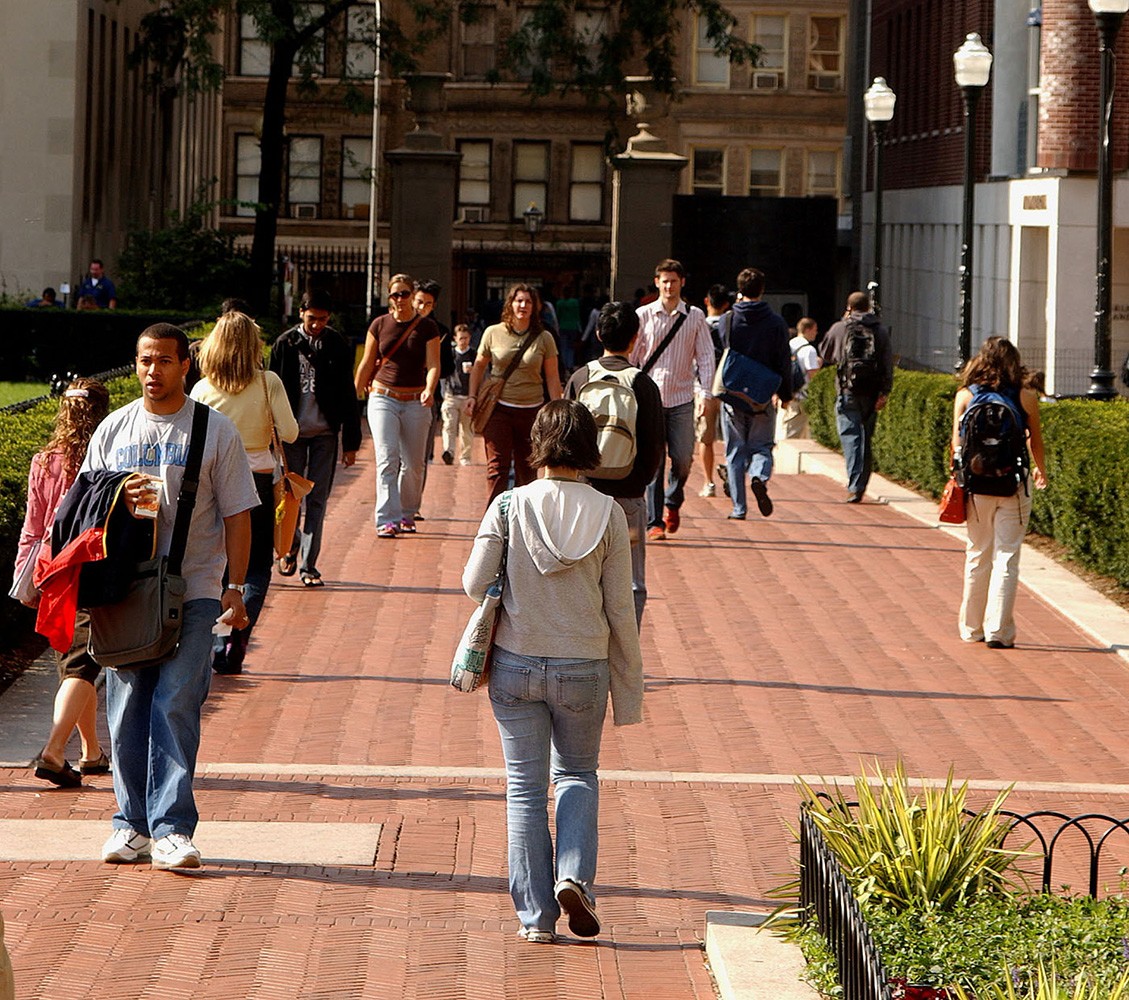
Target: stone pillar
pixel 644 183
pixel 424 183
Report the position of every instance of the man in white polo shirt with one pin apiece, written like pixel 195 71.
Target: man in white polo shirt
pixel 673 362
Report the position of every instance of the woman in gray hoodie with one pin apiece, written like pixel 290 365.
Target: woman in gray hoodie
pixel 566 637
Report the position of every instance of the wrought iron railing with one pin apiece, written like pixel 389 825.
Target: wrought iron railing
pixel 826 896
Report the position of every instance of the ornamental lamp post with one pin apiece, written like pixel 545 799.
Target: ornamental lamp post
pixel 533 218
pixel 878 102
pixel 1108 14
pixel 972 64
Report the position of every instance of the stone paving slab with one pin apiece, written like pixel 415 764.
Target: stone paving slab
pixel 807 643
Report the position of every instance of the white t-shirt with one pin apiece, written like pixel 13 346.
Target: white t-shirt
pixel 133 439
pixel 808 357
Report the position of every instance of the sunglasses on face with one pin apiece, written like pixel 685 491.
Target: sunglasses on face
pixel 400 295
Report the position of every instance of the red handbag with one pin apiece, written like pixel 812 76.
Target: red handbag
pixel 952 503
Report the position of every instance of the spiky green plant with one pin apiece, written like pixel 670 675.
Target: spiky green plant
pixel 914 848
pixel 1046 985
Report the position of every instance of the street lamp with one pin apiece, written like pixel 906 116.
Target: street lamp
pixel 374 167
pixel 1108 14
pixel 534 217
pixel 879 104
pixel 972 64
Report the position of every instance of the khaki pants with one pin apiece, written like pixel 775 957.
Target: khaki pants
pixel 996 526
pixel 792 421
pixel 457 433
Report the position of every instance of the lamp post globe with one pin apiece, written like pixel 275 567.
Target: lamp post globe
pixel 878 105
pixel 972 66
pixel 533 218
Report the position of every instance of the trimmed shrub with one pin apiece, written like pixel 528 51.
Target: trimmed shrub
pixel 1086 504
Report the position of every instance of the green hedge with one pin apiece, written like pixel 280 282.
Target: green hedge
pixel 1086 504
pixel 21 436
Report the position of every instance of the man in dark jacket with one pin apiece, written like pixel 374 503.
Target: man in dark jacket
pixel 315 363
pixel 754 330
pixel 617 328
pixel 860 348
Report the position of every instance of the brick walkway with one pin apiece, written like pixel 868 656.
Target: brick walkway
pixel 799 644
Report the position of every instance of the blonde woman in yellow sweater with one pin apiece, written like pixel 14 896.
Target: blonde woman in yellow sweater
pixel 234 382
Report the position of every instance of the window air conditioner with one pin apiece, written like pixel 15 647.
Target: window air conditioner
pixel 304 211
pixel 474 213
pixel 766 81
pixel 826 81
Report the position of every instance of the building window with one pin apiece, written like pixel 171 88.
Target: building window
pixel 823 172
pixel 586 183
pixel 474 181
pixel 254 53
pixel 360 42
pixel 825 53
pixel 710 69
pixel 312 57
pixel 709 171
pixel 303 190
pixel 526 22
pixel 766 175
pixel 591 28
pixel 531 177
pixel 476 34
pixel 770 32
pixel 247 159
pixel 356 171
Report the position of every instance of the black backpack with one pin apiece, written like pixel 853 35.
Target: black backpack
pixel 858 360
pixel 993 444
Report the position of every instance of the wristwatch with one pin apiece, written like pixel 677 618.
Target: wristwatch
pixel 237 587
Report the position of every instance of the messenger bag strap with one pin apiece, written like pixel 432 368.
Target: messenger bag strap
pixel 396 346
pixel 650 362
pixel 522 348
pixel 186 501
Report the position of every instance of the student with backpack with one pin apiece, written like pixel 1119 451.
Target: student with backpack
pixel 629 420
pixel 995 418
pixel 859 346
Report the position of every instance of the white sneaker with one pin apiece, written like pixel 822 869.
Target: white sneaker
pixel 709 490
pixel 124 847
pixel 175 851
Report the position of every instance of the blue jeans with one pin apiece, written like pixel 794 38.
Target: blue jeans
pixel 316 459
pixel 154 719
pixel 550 715
pixel 749 440
pixel 855 417
pixel 400 430
pixel 636 510
pixel 678 424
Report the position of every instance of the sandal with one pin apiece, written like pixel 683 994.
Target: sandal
pixel 312 580
pixel 99 765
pixel 64 776
pixel 287 565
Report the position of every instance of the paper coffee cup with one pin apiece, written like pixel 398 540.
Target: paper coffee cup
pixel 149 504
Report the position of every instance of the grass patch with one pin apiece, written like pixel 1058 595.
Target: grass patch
pixel 17 392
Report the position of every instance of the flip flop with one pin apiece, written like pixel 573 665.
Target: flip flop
pixel 65 776
pixel 287 565
pixel 99 765
pixel 312 580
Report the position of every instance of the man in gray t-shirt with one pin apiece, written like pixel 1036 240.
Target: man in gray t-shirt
pixel 154 712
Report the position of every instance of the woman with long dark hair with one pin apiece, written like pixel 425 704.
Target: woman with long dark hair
pixel 83 406
pixel 566 548
pixel 233 382
pixel 506 434
pixel 998 500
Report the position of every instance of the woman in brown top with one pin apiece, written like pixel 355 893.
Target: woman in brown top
pixel 506 434
pixel 399 370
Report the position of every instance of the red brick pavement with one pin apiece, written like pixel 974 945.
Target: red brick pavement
pixel 803 643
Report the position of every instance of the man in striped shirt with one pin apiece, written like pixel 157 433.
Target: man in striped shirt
pixel 673 368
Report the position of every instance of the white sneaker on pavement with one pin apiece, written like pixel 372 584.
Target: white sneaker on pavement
pixel 125 846
pixel 709 490
pixel 175 851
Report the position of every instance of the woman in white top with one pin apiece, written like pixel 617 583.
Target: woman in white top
pixel 566 637
pixel 233 382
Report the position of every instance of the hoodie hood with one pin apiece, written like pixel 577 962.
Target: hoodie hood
pixel 866 318
pixel 560 521
pixel 753 310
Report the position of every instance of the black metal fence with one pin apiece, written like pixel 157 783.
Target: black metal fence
pixel 342 271
pixel 59 383
pixel 826 896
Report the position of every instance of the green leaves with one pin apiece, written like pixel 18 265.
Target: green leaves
pixel 914 849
